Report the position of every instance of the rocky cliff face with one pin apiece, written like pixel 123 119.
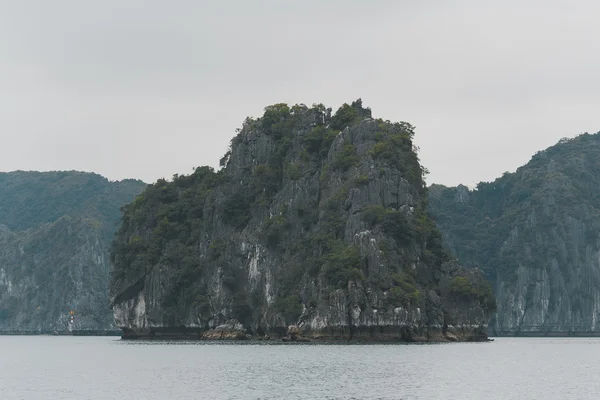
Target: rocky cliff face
pixel 48 272
pixel 535 233
pixel 52 271
pixel 314 228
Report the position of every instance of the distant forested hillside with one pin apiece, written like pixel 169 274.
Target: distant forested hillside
pixel 55 232
pixel 28 199
pixel 536 234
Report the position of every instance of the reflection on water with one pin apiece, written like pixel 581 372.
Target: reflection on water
pixel 43 367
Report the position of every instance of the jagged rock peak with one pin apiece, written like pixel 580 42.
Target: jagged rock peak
pixel 314 221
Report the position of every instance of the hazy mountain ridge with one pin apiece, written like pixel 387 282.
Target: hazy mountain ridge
pixel 535 233
pixel 316 222
pixel 30 198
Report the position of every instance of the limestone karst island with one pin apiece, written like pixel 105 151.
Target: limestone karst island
pixel 318 226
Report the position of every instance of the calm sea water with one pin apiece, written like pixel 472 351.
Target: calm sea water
pixel 40 367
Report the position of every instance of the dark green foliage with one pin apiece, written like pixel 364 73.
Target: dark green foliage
pixel 342 264
pixel 394 148
pixel 275 120
pixel 462 287
pixel 274 230
pixel 185 268
pixel 324 173
pixel 346 158
pixel 344 116
pixel 290 307
pixel 404 291
pixel 29 199
pixel 241 308
pixel 429 237
pixel 225 159
pixel 417 229
pixel 361 180
pixel 348 115
pixel 236 209
pixel 395 224
pixel 319 140
pixel 392 222
pixel 466 290
pixel 337 201
pixel 173 214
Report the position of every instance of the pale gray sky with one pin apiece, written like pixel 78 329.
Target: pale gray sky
pixel 146 89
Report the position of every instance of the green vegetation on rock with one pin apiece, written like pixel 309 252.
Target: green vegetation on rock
pixel 535 234
pixel 29 199
pixel 312 218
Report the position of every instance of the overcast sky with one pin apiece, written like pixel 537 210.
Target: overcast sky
pixel 146 89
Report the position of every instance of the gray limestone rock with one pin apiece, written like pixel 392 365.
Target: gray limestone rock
pixel 535 233
pixel 265 251
pixel 55 232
